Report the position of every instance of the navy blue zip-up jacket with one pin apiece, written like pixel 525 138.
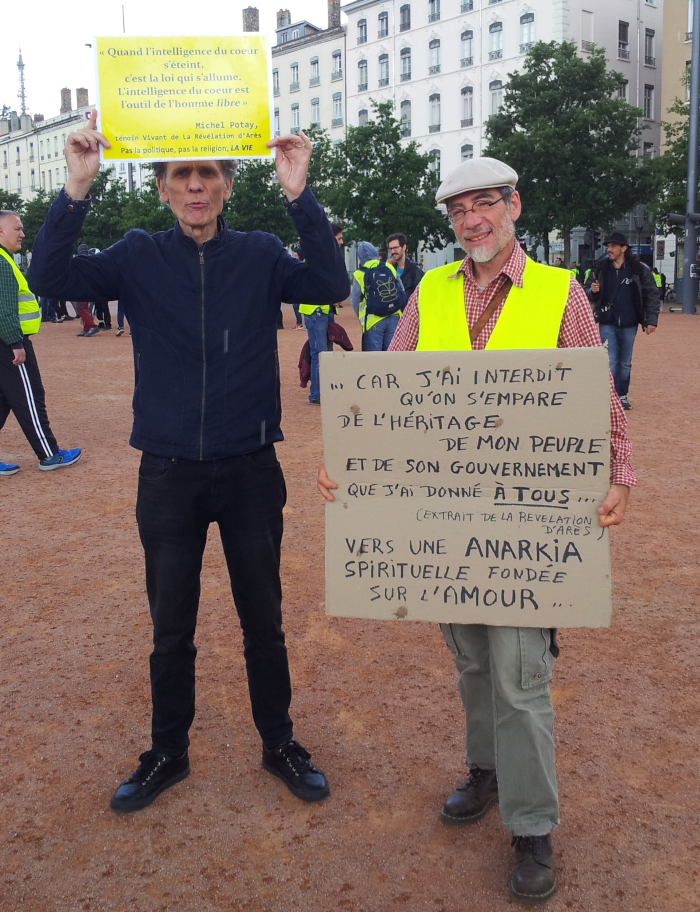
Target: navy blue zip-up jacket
pixel 203 320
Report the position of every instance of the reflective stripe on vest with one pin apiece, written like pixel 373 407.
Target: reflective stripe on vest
pixel 27 304
pixel 530 318
pixel 372 319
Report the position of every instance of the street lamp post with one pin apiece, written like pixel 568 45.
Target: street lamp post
pixel 691 219
pixel 639 218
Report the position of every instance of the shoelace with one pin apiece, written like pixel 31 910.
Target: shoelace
pixel 475 778
pixel 149 763
pixel 295 755
pixel 530 844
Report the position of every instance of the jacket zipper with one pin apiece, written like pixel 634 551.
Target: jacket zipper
pixel 278 405
pixel 204 358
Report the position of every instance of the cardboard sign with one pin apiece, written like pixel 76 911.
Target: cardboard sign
pixel 184 98
pixel 469 484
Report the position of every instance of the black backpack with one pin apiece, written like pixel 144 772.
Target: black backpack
pixel 383 295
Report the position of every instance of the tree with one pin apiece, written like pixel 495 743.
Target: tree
pixel 323 164
pixel 104 223
pixel 377 186
pixel 11 201
pixel 256 201
pixel 144 209
pixel 671 187
pixel 571 140
pixel 34 215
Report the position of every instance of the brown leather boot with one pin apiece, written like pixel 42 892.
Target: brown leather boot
pixel 534 877
pixel 471 800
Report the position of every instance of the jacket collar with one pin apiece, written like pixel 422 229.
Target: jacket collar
pixel 221 231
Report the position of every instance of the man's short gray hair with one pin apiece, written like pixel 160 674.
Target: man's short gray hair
pixel 506 193
pixel 229 166
pixel 5 212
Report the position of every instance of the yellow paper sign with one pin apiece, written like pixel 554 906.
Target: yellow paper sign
pixel 184 98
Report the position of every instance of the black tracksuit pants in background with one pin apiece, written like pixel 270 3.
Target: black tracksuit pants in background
pixel 22 393
pixel 102 313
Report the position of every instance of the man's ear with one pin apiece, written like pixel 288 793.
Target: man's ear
pixel 516 206
pixel 162 191
pixel 229 189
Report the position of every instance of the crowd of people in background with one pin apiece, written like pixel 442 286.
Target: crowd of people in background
pixel 385 279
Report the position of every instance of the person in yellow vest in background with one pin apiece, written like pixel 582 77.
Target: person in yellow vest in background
pixel 377 297
pixel 498 298
pixel 21 390
pixel 316 320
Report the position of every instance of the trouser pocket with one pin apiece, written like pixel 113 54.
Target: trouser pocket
pixel 536 659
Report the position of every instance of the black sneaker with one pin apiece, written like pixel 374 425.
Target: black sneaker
pixel 625 403
pixel 156 773
pixel 534 877
pixel 292 764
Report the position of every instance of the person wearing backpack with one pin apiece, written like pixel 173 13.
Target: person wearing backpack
pixel 377 297
pixel 316 320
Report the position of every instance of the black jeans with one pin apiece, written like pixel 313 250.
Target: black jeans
pixel 59 307
pixel 177 499
pixel 102 313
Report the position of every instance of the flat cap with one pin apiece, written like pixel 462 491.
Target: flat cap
pixel 476 174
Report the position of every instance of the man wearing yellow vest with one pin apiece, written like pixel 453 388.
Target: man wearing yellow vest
pixel 21 389
pixel 316 319
pixel 499 299
pixel 376 280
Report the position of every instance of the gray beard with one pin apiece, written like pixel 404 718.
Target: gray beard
pixel 500 240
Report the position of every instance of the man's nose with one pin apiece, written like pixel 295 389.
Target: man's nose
pixel 471 219
pixel 195 182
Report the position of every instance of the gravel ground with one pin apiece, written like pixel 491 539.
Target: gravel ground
pixel 376 703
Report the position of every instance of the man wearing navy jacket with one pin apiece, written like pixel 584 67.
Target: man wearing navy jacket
pixel 202 303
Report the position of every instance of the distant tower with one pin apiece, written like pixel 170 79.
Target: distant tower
pixel 22 94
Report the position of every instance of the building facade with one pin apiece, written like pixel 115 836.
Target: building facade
pixel 444 63
pixel 675 83
pixel 31 150
pixel 308 75
pixel 678 25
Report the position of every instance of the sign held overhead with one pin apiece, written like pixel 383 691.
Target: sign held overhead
pixel 184 98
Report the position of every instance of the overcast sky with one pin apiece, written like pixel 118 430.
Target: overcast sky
pixel 53 43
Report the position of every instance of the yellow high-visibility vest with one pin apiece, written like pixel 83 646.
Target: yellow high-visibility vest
pixel 28 306
pixel 530 318
pixel 312 308
pixel 657 279
pixel 367 322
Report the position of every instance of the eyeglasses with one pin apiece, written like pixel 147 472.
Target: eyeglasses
pixel 479 208
pixel 394 249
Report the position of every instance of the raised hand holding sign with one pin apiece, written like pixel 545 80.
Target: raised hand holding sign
pixel 82 152
pixel 293 154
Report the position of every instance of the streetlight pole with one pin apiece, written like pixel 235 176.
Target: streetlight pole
pixel 130 165
pixel 690 278
pixel 639 218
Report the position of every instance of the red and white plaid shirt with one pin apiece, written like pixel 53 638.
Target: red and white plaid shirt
pixel 578 330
